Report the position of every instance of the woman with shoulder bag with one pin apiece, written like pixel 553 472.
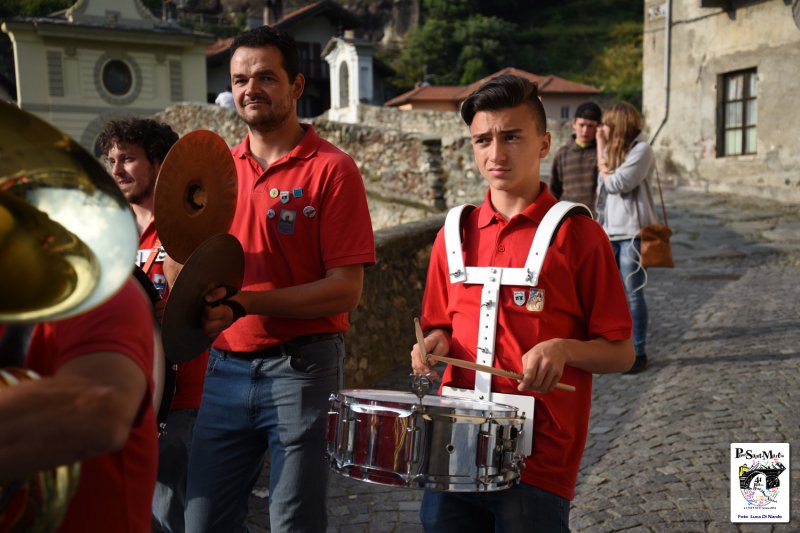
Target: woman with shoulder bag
pixel 626 164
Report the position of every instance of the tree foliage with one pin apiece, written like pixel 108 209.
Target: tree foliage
pixel 42 8
pixel 456 44
pixel 592 41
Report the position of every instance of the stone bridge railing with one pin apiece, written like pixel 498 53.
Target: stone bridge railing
pixel 382 328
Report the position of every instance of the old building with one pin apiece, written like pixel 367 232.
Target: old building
pixel 311 26
pixel 100 59
pixel 720 93
pixel 559 96
pixel 356 76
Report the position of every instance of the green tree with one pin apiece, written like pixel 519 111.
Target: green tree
pixel 454 45
pixel 32 8
pixel 43 8
pixel 617 68
pixel 591 41
pixel 449 9
pixel 484 43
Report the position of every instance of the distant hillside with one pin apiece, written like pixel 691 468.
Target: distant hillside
pixel 458 41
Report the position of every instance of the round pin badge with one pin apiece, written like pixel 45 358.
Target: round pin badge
pixel 273 193
pixel 309 211
pixel 271 213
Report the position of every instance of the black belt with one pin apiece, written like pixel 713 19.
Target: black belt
pixel 281 349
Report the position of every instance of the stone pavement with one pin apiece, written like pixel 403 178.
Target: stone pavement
pixel 724 347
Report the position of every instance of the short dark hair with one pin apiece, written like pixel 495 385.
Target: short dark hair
pixel 503 92
pixel 155 138
pixel 589 111
pixel 267 36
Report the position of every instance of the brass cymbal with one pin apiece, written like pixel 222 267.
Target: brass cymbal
pixel 195 194
pixel 218 261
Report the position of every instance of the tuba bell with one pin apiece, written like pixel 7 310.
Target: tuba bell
pixel 67 244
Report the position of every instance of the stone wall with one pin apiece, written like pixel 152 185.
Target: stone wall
pixel 414 163
pixel 382 328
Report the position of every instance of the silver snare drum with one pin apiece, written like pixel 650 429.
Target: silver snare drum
pixel 440 442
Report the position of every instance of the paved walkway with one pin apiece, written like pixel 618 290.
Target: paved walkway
pixel 724 346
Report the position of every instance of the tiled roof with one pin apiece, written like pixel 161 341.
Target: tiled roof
pixel 220 45
pixel 547 85
pixel 444 93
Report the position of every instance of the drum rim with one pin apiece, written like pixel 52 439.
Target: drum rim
pixel 490 409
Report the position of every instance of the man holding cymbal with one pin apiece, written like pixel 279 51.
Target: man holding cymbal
pixel 303 222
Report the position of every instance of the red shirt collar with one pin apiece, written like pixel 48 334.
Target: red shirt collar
pixel 535 212
pixel 305 149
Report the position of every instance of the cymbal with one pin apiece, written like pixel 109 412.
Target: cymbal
pixel 218 261
pixel 195 194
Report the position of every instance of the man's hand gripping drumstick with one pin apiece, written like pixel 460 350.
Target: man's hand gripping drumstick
pixel 437 339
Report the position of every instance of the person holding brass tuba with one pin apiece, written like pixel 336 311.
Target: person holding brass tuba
pixel 88 336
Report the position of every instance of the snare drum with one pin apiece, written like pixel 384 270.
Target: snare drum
pixel 440 443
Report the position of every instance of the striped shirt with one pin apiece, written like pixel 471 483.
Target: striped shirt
pixel 574 173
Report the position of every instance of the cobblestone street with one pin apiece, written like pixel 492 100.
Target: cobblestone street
pixel 723 347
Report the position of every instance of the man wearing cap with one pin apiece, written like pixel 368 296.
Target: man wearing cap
pixel 574 173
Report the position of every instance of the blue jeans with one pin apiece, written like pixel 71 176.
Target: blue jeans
pixel 250 406
pixel 169 497
pixel 634 277
pixel 520 509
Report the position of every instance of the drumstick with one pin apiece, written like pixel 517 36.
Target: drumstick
pixel 475 366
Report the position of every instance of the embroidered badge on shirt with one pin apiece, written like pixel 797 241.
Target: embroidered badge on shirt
pixel 519 297
pixel 271 213
pixel 535 301
pixel 309 211
pixel 273 193
pixel 284 197
pixel 286 223
pixel 160 282
pixel 297 192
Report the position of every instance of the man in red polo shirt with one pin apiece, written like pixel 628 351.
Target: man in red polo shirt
pixel 93 404
pixel 303 221
pixel 135 149
pixel 571 323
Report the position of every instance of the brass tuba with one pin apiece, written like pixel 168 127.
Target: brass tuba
pixel 67 244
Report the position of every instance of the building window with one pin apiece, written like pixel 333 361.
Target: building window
pixel 312 66
pixel 739 113
pixel 117 77
pixel 564 112
pixel 344 85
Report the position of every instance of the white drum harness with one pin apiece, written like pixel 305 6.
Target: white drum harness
pixel 492 277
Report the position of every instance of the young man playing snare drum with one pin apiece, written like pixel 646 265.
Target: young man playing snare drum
pixel 572 323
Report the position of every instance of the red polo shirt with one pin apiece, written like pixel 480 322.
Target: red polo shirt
pixel 583 299
pixel 190 375
pixel 116 489
pixel 304 215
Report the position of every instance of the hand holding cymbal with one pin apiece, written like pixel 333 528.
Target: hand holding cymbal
pixel 217 262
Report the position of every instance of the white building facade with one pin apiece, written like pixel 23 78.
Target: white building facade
pixel 102 59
